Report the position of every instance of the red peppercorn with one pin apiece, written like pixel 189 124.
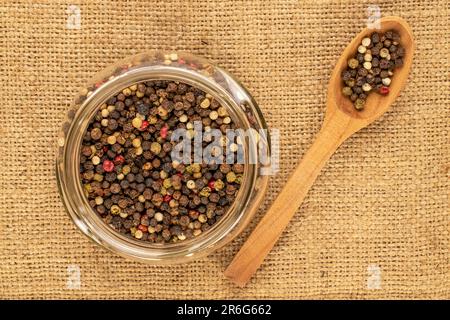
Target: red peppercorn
pixel 119 159
pixel 144 125
pixel 98 84
pixel 167 198
pixel 164 131
pixel 384 90
pixel 181 61
pixel 142 228
pixel 211 184
pixel 108 165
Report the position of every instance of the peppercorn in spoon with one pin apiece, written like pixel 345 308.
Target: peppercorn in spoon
pixel 341 121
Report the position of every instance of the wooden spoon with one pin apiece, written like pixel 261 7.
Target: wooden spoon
pixel 341 121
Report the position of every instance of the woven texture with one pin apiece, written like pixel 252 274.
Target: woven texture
pixel 374 225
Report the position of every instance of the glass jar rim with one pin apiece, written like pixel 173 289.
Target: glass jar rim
pixel 88 220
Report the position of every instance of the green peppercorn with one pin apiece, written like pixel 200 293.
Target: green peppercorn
pixel 167 183
pixel 115 210
pixel 359 104
pixel 231 176
pixel 202 218
pixel 205 103
pixel 347 91
pixel 384 52
pixel 196 167
pixel 137 122
pixel 205 192
pixel 138 234
pixel 350 82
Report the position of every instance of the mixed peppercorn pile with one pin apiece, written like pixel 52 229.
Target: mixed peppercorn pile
pixel 372 68
pixel 128 174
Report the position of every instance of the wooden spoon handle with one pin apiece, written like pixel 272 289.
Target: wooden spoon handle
pixel 269 229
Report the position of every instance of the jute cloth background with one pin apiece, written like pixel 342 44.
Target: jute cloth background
pixel 374 225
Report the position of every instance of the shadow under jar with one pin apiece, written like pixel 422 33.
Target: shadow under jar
pixel 198 73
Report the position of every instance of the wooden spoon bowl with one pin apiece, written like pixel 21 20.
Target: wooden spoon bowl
pixel 341 121
pixel 376 104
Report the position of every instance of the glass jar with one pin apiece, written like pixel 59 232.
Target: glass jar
pixel 196 72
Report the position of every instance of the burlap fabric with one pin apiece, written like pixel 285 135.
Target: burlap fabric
pixel 374 225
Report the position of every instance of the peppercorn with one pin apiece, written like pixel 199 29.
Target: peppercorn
pixel 367 65
pixel 213 115
pixel 384 90
pixel 190 184
pixel 86 151
pixel 384 52
pixel 137 122
pixel 184 221
pixel 155 147
pixel 95 160
pixel 353 63
pixel 375 37
pixel 347 91
pixel 202 218
pixel 99 200
pixel 115 209
pixel 96 134
pixel 115 188
pixel 365 42
pixel 138 234
pixel 361 96
pixel 346 75
pixel 359 104
pixel 108 165
pixel 384 64
pixel 159 216
pixel 205 192
pixel 123 203
pixel 111 140
pixel 366 87
pixel 386 81
pixel 205 103
pixel 164 131
pixel 362 72
pixel 350 82
pixel 136 142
